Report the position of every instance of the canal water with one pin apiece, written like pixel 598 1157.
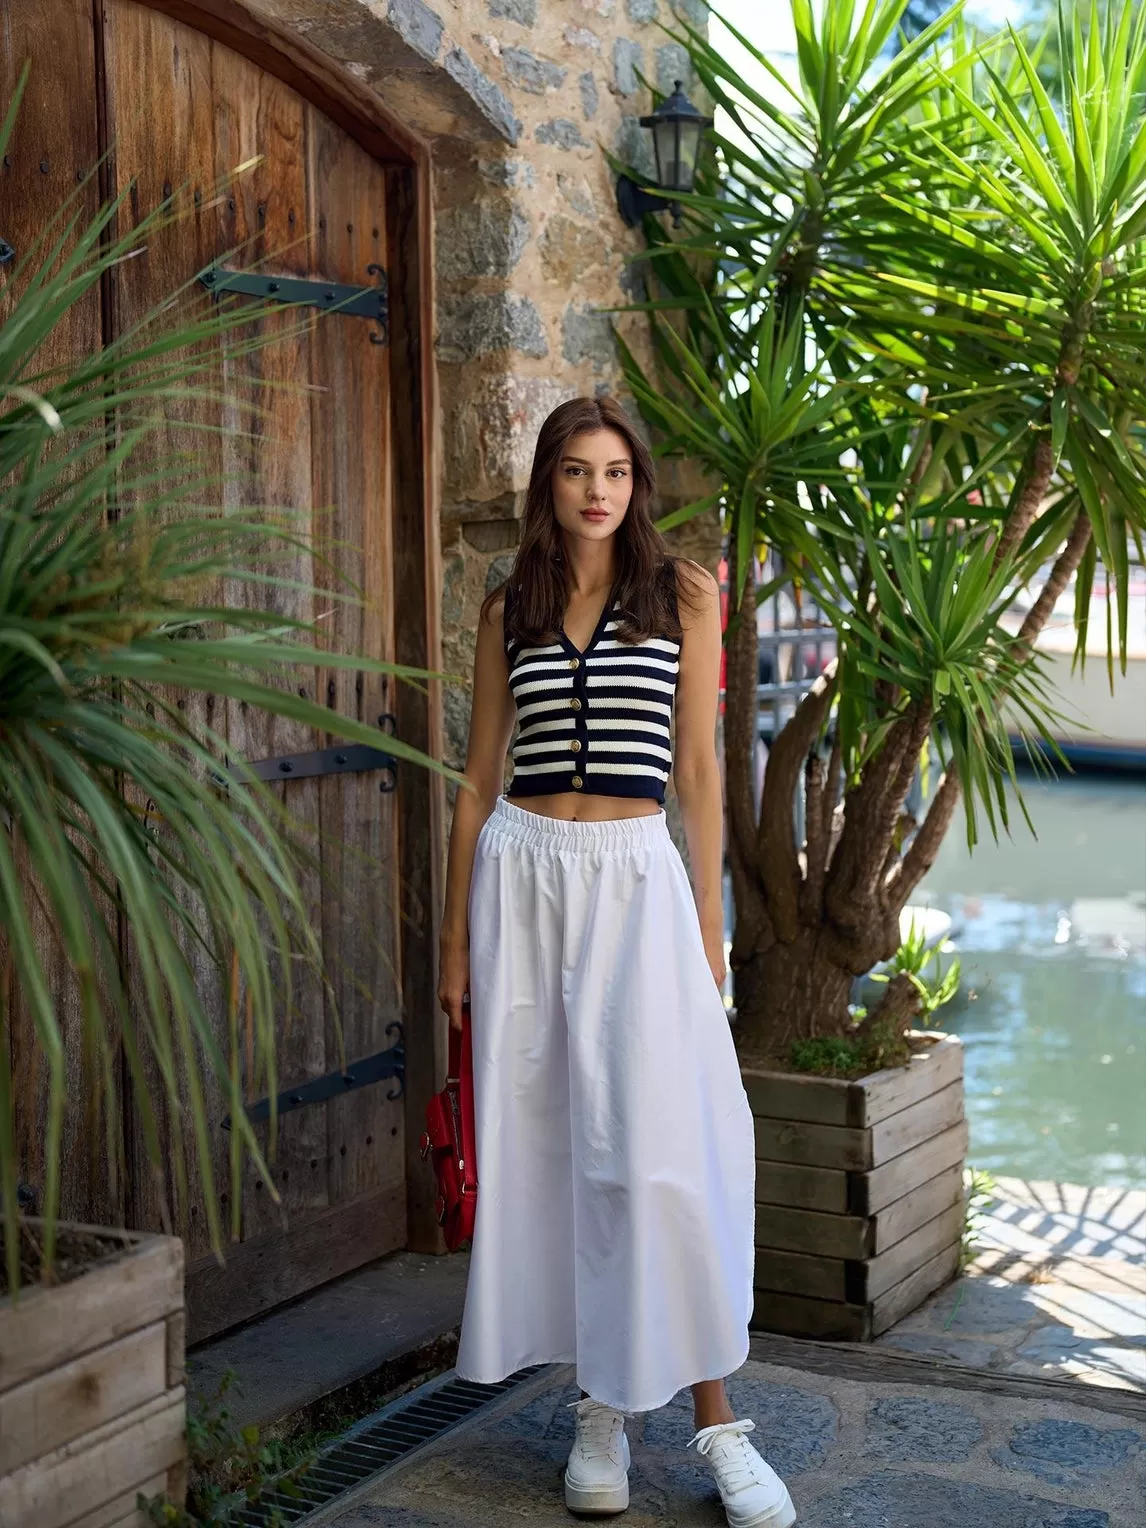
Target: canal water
pixel 1052 1008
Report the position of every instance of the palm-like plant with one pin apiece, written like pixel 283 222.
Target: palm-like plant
pixel 909 317
pixel 116 813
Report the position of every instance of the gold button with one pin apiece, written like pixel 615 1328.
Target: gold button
pixel 577 782
pixel 575 745
pixel 574 663
pixel 575 704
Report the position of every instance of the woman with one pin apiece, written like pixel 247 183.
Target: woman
pixel 615 1149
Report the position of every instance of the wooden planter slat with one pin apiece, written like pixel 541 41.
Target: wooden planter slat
pixel 808 1145
pixel 882 1094
pixel 67 1402
pixel 898 1220
pixel 880 1188
pixel 61 1488
pixel 91 1391
pixel 122 1512
pixel 912 1126
pixel 809 1188
pixel 902 1299
pixel 118 1297
pixel 796 1273
pixel 859 1194
pixel 912 1253
pixel 862 1103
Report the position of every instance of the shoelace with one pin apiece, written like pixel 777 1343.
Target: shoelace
pixel 737 1460
pixel 597 1425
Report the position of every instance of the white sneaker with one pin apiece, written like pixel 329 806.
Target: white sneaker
pixel 753 1494
pixel 597 1476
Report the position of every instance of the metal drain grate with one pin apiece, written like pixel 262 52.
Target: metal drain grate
pixel 375 1444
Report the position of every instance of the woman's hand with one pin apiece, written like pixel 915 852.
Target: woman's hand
pixel 714 949
pixel 454 980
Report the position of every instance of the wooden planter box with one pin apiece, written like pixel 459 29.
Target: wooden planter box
pixel 859 1193
pixel 91 1390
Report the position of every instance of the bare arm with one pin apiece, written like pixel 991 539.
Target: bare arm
pixel 491 726
pixel 696 771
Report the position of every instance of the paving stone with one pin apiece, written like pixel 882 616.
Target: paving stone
pixel 910 1429
pixel 395 1517
pixel 963 1350
pixel 979 1306
pixel 794 1430
pixel 908 1499
pixel 1063 1452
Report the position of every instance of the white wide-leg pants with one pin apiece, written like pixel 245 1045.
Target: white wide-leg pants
pixel 615 1150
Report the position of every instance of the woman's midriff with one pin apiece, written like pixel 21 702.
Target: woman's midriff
pixel 571 807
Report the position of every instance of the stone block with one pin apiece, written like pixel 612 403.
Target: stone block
pixel 628 58
pixel 569 249
pixel 633 146
pixel 910 1499
pixel 587 335
pixel 913 1429
pixel 530 73
pixel 641 11
pixel 472 324
pixel 672 63
pixel 489 96
pixel 1062 1452
pixel 561 132
pixel 524 12
pixel 480 239
pixel 589 97
pixel 577 193
pixel 418 26
pixel 582 37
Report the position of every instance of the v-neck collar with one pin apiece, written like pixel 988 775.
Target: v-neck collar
pixel 602 621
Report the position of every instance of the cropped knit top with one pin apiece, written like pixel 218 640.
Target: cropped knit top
pixel 594 720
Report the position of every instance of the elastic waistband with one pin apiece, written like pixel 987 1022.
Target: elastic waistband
pixel 533 827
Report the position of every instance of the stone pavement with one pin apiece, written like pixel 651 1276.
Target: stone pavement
pixel 856 1453
pixel 1058 1289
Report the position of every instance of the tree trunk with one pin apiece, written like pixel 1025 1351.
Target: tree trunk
pixel 789 991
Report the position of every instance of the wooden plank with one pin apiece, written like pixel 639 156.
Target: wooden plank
pixel 810 1188
pixel 912 1253
pixel 885 1366
pixel 55 145
pixel 813 1145
pixel 901 1299
pixel 917 1208
pixel 354 529
pixel 280 1265
pixel 870 1192
pixel 54 1408
pixel 415 433
pixel 838 1236
pixel 910 1127
pixel 793 1273
pixel 789 1095
pixel 176 1348
pixel 873 1099
pixel 47 1327
pixel 55 1490
pixel 122 1512
pixel 797 1316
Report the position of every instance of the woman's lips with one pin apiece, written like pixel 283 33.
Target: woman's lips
pixel 595 514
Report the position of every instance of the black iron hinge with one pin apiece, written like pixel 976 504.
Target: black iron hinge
pixel 319 1090
pixel 332 296
pixel 350 758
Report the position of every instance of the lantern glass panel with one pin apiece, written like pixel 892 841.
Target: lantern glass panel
pixel 677 146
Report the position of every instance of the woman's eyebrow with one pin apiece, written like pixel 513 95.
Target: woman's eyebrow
pixel 620 461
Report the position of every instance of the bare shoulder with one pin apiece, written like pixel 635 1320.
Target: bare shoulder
pixel 698 592
pixel 493 612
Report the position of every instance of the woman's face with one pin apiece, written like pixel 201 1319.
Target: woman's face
pixel 592 485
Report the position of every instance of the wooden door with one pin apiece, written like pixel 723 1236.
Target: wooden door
pixel 335 443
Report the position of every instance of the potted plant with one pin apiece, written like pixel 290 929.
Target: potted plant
pixel 902 333
pixel 118 813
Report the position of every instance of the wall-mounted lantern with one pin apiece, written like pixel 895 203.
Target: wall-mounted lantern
pixel 677 129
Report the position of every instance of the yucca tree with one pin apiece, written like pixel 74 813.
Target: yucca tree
pixel 115 812
pixel 907 347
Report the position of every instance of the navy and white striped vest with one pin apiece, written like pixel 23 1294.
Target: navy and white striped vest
pixel 595 721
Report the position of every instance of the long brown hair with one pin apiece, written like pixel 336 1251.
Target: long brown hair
pixel 646 585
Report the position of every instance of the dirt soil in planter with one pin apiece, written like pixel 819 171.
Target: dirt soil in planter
pixel 76 1253
pixel 757 1061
